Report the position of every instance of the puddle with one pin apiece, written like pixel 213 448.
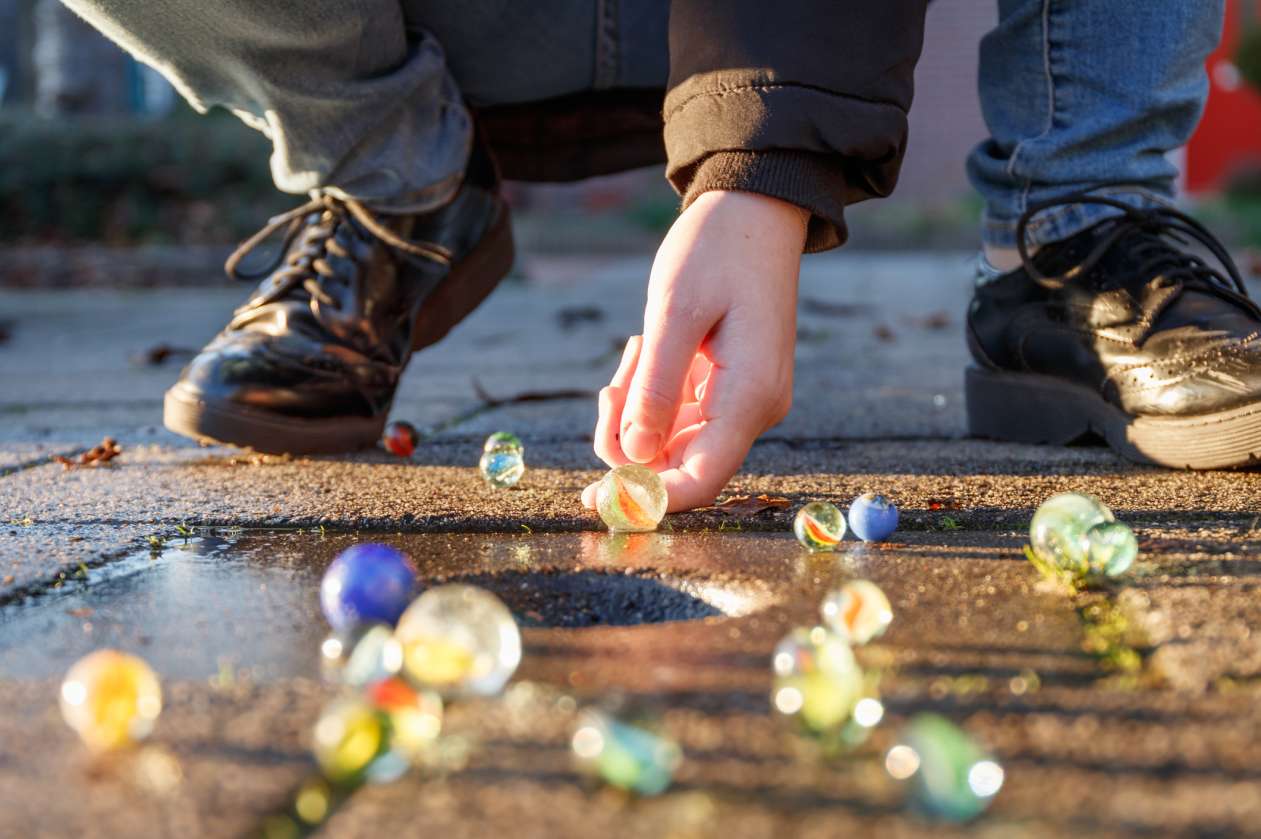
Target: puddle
pixel 250 601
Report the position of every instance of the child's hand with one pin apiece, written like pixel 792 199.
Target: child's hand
pixel 713 369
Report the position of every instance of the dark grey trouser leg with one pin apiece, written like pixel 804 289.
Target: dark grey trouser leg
pixel 360 97
pixel 350 102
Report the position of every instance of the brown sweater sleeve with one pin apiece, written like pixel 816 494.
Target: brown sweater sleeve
pixel 803 100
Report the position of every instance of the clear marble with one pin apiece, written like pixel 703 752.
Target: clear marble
pixel 111 699
pixel 631 498
pixel 361 656
pixel 819 526
pixel 502 468
pixel 857 611
pixel 459 640
pixel 817 680
pixel 1112 548
pixel 1058 530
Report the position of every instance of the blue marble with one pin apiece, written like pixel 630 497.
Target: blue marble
pixel 368 583
pixel 873 518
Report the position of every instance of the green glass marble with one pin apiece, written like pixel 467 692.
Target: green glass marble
pixel 1058 530
pixel 819 526
pixel 817 680
pixel 950 777
pixel 623 754
pixel 503 441
pixel 1112 548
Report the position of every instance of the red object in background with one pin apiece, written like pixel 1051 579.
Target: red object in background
pixel 1229 136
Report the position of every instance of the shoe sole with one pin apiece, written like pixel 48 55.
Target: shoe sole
pixel 1030 408
pixel 210 421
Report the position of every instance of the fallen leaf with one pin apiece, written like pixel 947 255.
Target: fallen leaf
pixel 744 505
pixel 884 333
pixel 8 579
pixel 85 612
pixel 529 396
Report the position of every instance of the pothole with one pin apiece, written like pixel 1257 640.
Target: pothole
pixel 575 599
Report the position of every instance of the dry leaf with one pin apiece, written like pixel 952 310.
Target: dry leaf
pixel 744 505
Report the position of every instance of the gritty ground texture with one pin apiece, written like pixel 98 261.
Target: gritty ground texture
pixel 1128 711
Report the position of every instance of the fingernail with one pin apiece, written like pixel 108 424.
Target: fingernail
pixel 639 445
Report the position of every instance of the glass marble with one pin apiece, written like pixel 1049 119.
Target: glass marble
pixel 873 518
pixel 857 611
pixel 1112 548
pixel 631 498
pixel 111 698
pixel 460 641
pixel 367 583
pixel 950 776
pixel 503 441
pixel 817 680
pixel 376 737
pixel 819 526
pixel 625 755
pixel 400 438
pixel 1057 532
pixel 361 656
pixel 502 468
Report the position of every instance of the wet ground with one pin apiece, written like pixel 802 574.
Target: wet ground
pixel 683 623
pixel 1129 711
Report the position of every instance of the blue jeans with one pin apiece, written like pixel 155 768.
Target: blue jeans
pixel 1087 95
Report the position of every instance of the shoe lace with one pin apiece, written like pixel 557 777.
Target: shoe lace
pixel 1164 232
pixel 306 264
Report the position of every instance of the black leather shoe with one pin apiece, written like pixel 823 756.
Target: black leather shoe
pixel 1121 332
pixel 311 361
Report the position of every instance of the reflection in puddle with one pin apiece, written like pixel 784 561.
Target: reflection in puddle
pixel 247 603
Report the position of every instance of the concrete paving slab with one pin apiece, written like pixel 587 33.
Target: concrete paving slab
pixel 973 483
pixel 537 335
pixel 37 556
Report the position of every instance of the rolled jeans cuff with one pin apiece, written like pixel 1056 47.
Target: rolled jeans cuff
pixel 1060 222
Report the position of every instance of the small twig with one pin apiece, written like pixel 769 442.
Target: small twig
pixel 529 396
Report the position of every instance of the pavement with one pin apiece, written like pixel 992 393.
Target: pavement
pixel 1131 710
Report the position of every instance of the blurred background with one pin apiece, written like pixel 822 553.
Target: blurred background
pixel 107 176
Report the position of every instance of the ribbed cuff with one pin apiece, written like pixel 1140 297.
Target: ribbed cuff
pixel 814 182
